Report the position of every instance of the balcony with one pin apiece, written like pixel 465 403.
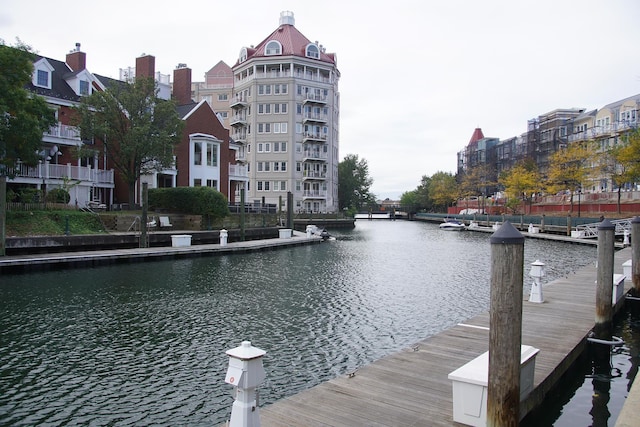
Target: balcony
pixel 239 102
pixel 239 136
pixel 314 155
pixel 314 194
pixel 317 118
pixel 314 176
pixel 61 133
pixel 51 171
pixel 313 98
pixel 238 173
pixel 314 137
pixel 238 120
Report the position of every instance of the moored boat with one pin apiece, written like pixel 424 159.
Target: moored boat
pixel 453 224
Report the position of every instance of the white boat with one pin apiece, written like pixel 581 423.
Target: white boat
pixel 453 224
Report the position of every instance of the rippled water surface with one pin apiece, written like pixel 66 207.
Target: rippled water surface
pixel 144 344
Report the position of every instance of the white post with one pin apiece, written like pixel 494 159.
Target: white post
pixel 224 235
pixel 245 373
pixel 537 272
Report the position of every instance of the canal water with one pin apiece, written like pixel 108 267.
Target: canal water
pixel 144 343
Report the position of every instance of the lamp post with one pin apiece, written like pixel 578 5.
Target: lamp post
pixel 579 193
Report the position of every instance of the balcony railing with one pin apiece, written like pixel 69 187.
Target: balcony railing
pixel 314 136
pixel 311 117
pixel 314 155
pixel 239 136
pixel 314 175
pixel 238 171
pixel 52 171
pixel 238 119
pixel 63 132
pixel 314 98
pixel 314 194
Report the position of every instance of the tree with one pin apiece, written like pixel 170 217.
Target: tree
pixel 520 183
pixel 622 162
pixel 354 184
pixel 418 199
pixel 138 130
pixel 479 180
pixel 568 168
pixel 24 117
pixel 443 189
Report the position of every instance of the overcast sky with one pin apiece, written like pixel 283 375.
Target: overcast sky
pixel 417 76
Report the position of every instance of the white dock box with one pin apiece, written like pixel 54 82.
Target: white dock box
pixel 285 233
pixel 180 240
pixel 470 386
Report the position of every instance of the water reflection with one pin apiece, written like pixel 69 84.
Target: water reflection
pixel 144 343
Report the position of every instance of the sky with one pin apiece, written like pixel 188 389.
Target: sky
pixel 417 77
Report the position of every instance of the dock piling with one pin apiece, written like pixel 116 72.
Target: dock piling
pixel 635 256
pixel 505 328
pixel 604 291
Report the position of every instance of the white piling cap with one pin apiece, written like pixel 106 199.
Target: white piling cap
pixel 246 352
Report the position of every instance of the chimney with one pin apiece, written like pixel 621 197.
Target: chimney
pixel 146 66
pixel 182 84
pixel 77 60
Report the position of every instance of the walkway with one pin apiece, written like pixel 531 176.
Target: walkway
pixel 411 387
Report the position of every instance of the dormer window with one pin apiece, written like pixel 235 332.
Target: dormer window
pixel 313 51
pixel 42 74
pixel 273 48
pixel 84 87
pixel 243 55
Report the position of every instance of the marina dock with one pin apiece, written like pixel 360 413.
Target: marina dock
pixel 411 387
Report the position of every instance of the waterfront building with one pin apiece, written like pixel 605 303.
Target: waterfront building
pixel 89 178
pixel 285 112
pixel 204 156
pixel 553 131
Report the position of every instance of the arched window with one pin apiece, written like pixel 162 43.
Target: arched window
pixel 273 48
pixel 243 54
pixel 313 51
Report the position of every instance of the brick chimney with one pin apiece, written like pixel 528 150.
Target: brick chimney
pixel 182 84
pixel 146 66
pixel 77 60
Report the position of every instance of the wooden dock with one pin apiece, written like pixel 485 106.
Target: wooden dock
pixel 22 263
pixel 411 387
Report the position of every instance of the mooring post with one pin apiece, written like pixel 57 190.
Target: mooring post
pixel 505 327
pixel 144 238
pixel 568 224
pixel 290 210
pixel 604 291
pixel 242 214
pixel 635 256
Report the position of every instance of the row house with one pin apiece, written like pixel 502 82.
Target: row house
pixel 88 179
pixel 550 132
pixel 204 156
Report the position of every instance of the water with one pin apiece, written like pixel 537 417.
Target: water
pixel 145 343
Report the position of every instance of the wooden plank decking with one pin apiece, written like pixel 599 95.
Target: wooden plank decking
pixel 411 387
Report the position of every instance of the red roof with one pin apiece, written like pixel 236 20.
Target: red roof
pixel 477 136
pixel 293 42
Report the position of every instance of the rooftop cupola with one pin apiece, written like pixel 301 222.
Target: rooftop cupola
pixel 286 18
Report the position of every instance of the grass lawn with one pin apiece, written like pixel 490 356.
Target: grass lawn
pixel 51 223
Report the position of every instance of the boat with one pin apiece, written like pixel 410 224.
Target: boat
pixel 453 224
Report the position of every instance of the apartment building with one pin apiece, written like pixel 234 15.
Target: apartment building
pixel 216 89
pixel 553 131
pixel 285 119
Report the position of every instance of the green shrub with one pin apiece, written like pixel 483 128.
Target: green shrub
pixel 190 201
pixel 29 195
pixel 58 195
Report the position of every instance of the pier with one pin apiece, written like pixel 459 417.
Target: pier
pixel 412 387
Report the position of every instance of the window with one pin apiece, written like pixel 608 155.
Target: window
pixel 212 183
pixel 283 147
pixel 197 153
pixel 243 55
pixel 273 48
pixel 313 51
pixel 298 167
pixel 197 182
pixel 283 166
pixel 264 89
pixel 212 155
pixel 260 167
pixel 259 188
pixel 280 127
pixel 266 185
pixel 267 147
pixel 223 97
pixel 43 78
pixel 267 166
pixel 280 108
pixel 264 128
pixel 298 109
pixel 84 87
